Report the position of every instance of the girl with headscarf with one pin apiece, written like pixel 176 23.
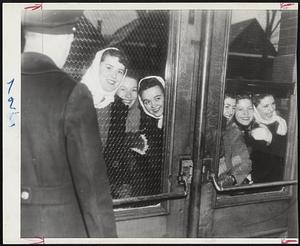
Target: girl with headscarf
pixel 270 145
pixel 151 94
pixel 103 78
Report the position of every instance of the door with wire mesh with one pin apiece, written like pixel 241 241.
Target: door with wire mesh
pixel 144 157
pixel 143 37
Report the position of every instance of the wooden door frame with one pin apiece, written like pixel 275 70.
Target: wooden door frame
pixel 202 217
pixel 212 74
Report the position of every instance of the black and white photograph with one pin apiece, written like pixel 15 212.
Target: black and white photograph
pixel 150 123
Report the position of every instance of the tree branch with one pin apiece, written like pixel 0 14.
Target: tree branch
pixel 277 24
pixel 268 19
pixel 273 18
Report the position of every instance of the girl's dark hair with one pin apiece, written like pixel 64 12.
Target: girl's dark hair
pixel 231 95
pixel 116 53
pixel 149 83
pixel 243 96
pixel 256 99
pixel 133 74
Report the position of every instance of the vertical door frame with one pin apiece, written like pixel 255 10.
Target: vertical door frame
pixel 211 84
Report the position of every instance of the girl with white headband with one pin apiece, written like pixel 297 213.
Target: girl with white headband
pixel 151 94
pixel 103 78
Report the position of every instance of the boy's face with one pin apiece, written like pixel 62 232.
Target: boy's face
pixel 111 73
pixel 229 107
pixel 153 100
pixel 128 91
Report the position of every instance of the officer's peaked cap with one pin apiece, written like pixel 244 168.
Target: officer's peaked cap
pixel 50 21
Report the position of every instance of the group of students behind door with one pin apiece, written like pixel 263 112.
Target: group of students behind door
pixel 130 119
pixel 253 140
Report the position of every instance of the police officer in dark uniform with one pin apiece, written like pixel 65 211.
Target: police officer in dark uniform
pixel 64 186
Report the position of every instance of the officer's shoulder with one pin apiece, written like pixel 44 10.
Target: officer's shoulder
pixel 66 79
pixel 78 88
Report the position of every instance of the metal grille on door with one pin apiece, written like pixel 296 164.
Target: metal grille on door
pixel 143 36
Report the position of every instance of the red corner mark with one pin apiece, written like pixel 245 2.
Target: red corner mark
pixel 38 240
pixel 35 6
pixel 286 5
pixel 287 241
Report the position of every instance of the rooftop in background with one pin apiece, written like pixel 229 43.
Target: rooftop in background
pixel 248 37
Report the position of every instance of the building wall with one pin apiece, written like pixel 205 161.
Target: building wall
pixel 287 47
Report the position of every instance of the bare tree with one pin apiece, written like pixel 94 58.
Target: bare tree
pixel 270 23
pixel 270 28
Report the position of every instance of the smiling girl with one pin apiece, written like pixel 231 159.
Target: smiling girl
pixel 268 155
pixel 124 142
pixel 103 78
pixel 151 95
pixel 235 164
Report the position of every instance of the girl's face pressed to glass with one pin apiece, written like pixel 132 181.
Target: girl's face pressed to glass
pixel 244 111
pixel 153 100
pixel 111 73
pixel 229 107
pixel 128 91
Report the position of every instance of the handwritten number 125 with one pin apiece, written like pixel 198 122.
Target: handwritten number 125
pixel 11 102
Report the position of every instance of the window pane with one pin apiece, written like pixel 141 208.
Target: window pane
pixel 126 129
pixel 259 83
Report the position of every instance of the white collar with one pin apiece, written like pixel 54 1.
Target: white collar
pixel 259 119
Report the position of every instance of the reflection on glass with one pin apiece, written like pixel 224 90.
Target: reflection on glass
pixel 256 103
pixel 131 130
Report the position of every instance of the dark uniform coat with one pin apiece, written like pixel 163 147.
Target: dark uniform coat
pixel 64 187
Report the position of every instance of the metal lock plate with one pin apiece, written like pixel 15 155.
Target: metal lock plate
pixel 185 171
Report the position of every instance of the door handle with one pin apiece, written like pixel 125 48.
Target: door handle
pixel 150 198
pixel 209 175
pixel 184 178
pixel 252 186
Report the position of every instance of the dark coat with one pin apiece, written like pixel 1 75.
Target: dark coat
pixel 65 191
pixel 115 151
pixel 149 174
pixel 120 159
pixel 237 158
pixel 268 160
pixel 103 118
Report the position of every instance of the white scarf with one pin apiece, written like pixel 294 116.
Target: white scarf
pixel 91 79
pixel 282 127
pixel 160 118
